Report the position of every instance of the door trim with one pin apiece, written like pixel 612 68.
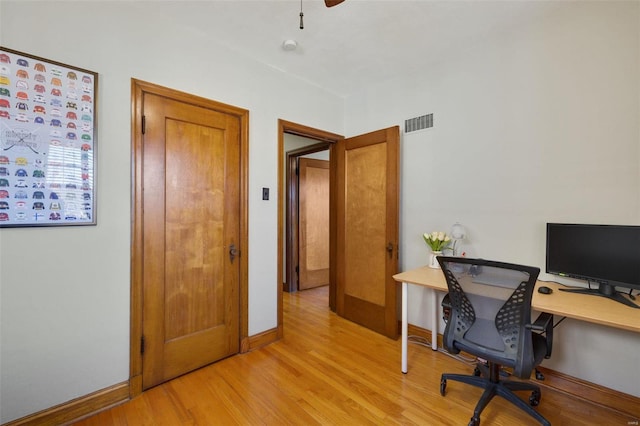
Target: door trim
pixel 321 136
pixel 138 89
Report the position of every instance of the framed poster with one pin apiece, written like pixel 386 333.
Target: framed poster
pixel 47 142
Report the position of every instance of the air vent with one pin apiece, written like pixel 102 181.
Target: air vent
pixel 418 123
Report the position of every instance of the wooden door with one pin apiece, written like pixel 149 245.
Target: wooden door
pixel 367 169
pixel 190 229
pixel 313 223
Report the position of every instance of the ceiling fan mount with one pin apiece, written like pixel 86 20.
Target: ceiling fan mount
pixel 328 3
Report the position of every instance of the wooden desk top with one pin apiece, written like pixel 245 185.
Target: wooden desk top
pixel 594 309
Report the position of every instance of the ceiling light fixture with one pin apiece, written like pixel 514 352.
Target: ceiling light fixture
pixel 289 45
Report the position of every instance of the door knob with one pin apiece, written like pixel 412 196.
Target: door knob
pixel 233 252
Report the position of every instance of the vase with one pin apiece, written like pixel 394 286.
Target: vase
pixel 433 262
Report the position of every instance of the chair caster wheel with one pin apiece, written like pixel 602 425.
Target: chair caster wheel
pixel 534 399
pixel 475 421
pixel 443 386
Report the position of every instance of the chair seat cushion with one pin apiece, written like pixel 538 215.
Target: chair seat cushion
pixel 539 343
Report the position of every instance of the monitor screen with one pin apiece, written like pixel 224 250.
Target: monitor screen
pixel 604 254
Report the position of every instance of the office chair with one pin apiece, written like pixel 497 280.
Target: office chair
pixel 490 318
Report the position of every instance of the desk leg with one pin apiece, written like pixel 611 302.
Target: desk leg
pixel 405 326
pixel 434 320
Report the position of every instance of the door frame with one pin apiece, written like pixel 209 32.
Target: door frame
pixel 321 136
pixel 138 89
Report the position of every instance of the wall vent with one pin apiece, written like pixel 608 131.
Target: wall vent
pixel 418 123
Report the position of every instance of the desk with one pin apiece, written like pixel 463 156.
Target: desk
pixel 583 307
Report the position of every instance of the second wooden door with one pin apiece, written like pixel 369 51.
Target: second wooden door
pixel 313 189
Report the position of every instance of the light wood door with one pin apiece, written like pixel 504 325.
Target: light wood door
pixel 313 190
pixel 367 168
pixel 190 229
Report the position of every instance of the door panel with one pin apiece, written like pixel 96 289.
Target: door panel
pixel 191 217
pixel 367 229
pixel 313 223
pixel 365 233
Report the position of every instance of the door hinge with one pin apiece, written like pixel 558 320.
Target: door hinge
pixel 142 345
pixel 144 124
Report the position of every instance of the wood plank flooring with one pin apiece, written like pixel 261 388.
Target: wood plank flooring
pixel 329 371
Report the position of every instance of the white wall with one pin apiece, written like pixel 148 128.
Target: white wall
pixel 65 291
pixel 538 125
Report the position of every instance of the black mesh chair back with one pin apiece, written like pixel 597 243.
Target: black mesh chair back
pixel 490 318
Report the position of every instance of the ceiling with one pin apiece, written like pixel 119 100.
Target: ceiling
pixel 354 44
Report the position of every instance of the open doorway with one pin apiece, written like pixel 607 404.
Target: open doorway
pixel 363 224
pixel 307 188
pixel 297 141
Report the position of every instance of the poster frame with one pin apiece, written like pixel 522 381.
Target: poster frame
pixel 48 141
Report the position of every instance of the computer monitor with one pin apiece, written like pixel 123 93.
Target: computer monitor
pixel 607 255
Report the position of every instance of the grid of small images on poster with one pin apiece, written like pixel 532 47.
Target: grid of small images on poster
pixel 47 142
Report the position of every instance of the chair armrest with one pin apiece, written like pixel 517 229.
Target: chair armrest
pixel 542 322
pixel 544 325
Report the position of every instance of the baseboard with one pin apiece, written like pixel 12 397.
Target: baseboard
pixel 259 340
pixel 78 408
pixel 577 388
pixel 103 399
pixel 88 405
pixel 591 392
pixel 423 333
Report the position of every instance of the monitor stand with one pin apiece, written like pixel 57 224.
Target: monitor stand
pixel 605 290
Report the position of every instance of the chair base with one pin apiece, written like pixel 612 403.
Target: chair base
pixel 492 385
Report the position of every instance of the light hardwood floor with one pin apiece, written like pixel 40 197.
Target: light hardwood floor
pixel 329 371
